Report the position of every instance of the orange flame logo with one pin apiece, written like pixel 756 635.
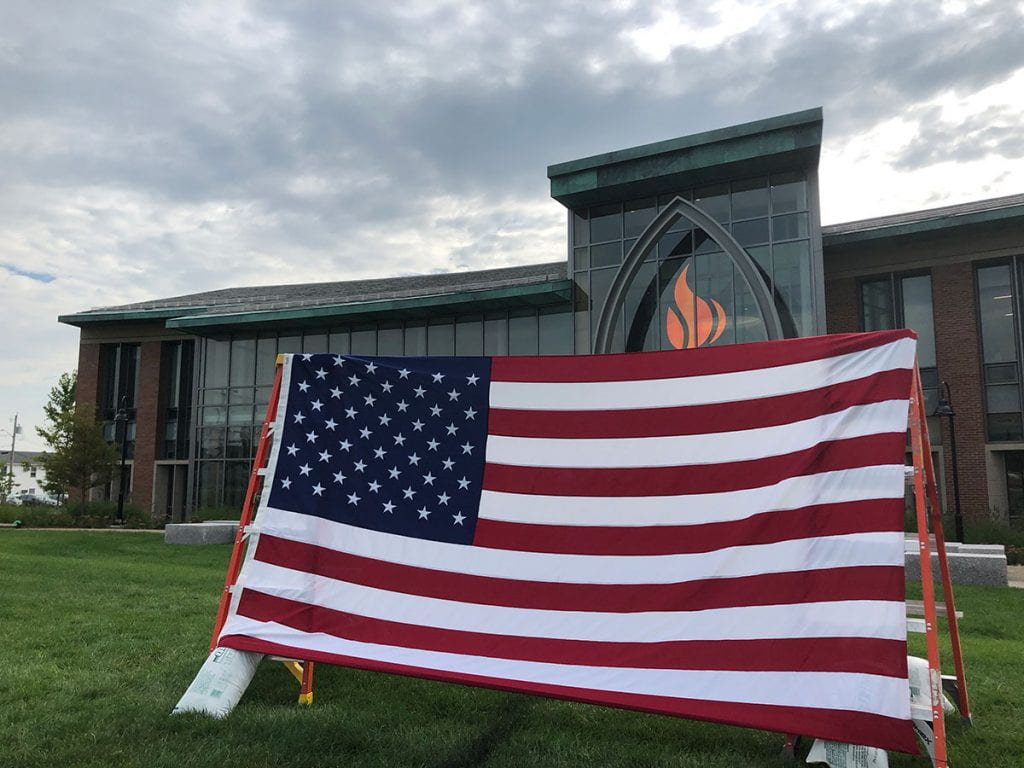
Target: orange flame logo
pixel 693 322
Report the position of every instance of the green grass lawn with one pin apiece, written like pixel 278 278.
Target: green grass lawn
pixel 100 634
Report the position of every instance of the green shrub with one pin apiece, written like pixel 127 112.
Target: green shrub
pixel 97 514
pixel 203 514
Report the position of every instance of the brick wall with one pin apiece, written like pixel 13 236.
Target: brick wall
pixel 87 389
pixel 841 306
pixel 147 424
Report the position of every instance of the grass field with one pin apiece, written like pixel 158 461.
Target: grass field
pixel 100 633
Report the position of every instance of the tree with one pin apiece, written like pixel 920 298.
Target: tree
pixel 79 457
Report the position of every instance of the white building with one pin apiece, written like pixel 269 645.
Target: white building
pixel 28 476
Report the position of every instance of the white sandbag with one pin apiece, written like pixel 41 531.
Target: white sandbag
pixel 221 681
pixel 920 687
pixel 839 755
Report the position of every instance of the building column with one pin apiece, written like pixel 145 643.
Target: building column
pixel 958 353
pixel 147 426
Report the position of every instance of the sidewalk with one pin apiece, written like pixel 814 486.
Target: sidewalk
pixel 1016 575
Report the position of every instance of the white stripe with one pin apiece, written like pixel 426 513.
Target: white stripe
pixel 862 483
pixel 704 389
pixel 857 549
pixel 711 448
pixel 874 694
pixel 847 618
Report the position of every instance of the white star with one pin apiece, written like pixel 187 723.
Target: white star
pixel 402 405
pixel 286 483
pixel 378 453
pixel 303 386
pixel 370 400
pixel 409 492
pixel 424 513
pixel 394 472
pixel 353 498
pixel 420 391
pixel 404 373
pixel 340 477
pixel 435 410
pixel 305 469
pixel 321 373
pixel 292 449
pixel 417 426
pixel 385 420
pixel 370 367
pixel 437 377
pixel 414 459
pixel 448 463
pixel 386 386
pixel 463 484
pixel 443 499
pixel 428 479
pixel 452 429
pixel 339 360
pixel 299 418
pixel 354 380
pixel 331 424
pixel 360 466
pixel 454 394
pixel 325 456
pixel 311 437
pixel 344 445
pixel 335 393
pixel 458 517
pixel 389 507
pixel 466 447
pixel 350 413
pixel 365 433
pixel 318 490
pixel 399 439
pixel 432 444
pixel 306 357
pixel 375 486
pixel 316 405
pixel 470 414
pixel 472 379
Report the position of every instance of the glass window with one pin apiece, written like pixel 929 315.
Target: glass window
pixel 266 359
pixel 469 336
pixel 606 255
pixel 716 311
pixel 606 223
pixel 638 214
pixel 641 310
pixel 217 356
pixel 581 258
pixel 876 302
pixel 1013 461
pixel 441 338
pixel 789 227
pixel 555 331
pixel 792 280
pixel 314 342
pixel 289 345
pixel 522 333
pixel 338 341
pixel 243 362
pixel 995 304
pixel 211 443
pixel 676 244
pixel 239 443
pixel 580 227
pixel 217 414
pixel 391 341
pixel 714 201
pixel 581 310
pixel 789 193
pixel 415 339
pixel 750 199
pixel 752 232
pixel 364 340
pixel 210 488
pixel 917 315
pixel 496 335
pixel 236 480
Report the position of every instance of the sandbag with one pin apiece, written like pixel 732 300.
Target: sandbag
pixel 221 681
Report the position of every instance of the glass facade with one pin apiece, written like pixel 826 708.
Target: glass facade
pixel 238 372
pixel 998 302
pixel 905 301
pixel 118 385
pixel 176 397
pixel 688 292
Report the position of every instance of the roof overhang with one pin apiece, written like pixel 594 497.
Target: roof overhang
pixel 80 319
pixel 777 144
pixel 1012 215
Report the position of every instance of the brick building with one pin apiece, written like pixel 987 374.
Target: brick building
pixel 707 239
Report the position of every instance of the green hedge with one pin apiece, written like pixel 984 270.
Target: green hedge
pixel 97 514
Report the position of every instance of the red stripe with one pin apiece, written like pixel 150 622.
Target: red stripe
pixel 834 725
pixel 867 451
pixel 701 419
pixel 834 654
pixel 688 362
pixel 851 583
pixel 765 528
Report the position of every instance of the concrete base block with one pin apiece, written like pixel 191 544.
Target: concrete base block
pixel 210 532
pixel 986 567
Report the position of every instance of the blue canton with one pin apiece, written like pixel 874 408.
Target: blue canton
pixel 392 444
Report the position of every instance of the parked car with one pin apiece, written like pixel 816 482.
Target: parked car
pixel 30 500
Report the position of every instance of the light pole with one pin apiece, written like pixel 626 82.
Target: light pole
pixel 121 418
pixel 10 467
pixel 945 408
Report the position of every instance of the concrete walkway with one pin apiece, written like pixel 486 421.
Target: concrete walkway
pixel 1016 575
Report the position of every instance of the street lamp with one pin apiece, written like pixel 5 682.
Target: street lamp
pixel 121 419
pixel 945 408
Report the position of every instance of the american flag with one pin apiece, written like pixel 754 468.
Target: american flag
pixel 714 533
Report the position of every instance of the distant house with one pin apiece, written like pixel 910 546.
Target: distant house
pixel 29 475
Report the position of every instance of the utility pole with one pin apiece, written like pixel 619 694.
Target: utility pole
pixel 10 467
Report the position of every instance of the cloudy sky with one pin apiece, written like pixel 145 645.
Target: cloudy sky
pixel 151 149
